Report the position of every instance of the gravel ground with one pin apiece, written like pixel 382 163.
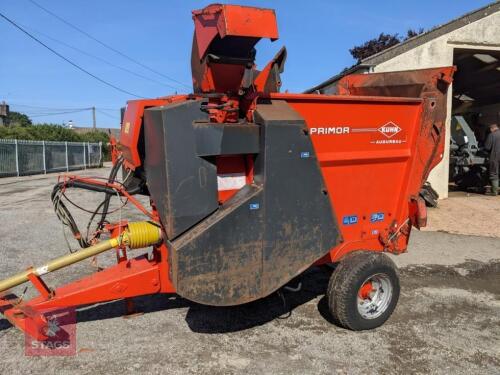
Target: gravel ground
pixel 467 213
pixel 447 320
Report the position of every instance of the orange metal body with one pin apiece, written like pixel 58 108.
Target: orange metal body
pixel 233 20
pixel 132 124
pixel 365 171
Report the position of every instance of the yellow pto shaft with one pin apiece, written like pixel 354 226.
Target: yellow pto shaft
pixel 137 235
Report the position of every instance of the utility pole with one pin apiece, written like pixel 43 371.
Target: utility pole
pixel 94 126
pixel 4 113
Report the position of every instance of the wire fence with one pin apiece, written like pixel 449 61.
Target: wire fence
pixel 21 158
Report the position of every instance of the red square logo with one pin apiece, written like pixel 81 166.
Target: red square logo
pixel 59 331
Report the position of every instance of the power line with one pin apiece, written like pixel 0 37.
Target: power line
pixel 60 108
pixel 107 114
pixel 99 58
pixel 75 110
pixel 107 45
pixel 43 108
pixel 60 113
pixel 109 109
pixel 40 114
pixel 66 59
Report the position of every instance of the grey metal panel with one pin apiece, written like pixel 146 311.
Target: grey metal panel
pixel 300 224
pixel 183 185
pixel 269 232
pixel 226 139
pixel 219 262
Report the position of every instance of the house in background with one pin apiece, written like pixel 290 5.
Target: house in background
pixel 472 44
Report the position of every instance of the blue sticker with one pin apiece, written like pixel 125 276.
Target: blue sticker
pixel 304 154
pixel 376 217
pixel 350 220
pixel 254 206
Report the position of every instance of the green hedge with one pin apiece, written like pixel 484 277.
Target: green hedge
pixel 51 132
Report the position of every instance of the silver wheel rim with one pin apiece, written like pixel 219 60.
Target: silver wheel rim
pixel 374 296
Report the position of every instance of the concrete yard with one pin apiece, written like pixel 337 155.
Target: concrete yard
pixel 447 320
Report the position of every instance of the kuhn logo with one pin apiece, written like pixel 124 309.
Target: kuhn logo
pixel 389 130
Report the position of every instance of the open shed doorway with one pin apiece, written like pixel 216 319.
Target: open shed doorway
pixel 475 105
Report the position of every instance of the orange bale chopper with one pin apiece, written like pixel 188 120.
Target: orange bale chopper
pixel 249 187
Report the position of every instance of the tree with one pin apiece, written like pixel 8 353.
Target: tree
pixel 382 42
pixel 21 127
pixel 18 119
pixel 374 46
pixel 411 33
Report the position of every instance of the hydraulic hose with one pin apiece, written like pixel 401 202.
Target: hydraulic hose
pixel 65 215
pixel 107 197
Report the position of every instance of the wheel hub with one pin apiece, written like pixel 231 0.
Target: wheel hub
pixel 374 296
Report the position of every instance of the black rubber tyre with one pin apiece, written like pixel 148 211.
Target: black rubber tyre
pixel 353 271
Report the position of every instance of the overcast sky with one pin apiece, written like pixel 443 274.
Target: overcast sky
pixel 317 34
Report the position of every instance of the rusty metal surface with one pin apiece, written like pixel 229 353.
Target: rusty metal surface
pixel 300 222
pixel 219 261
pixel 268 233
pixel 223 53
pixel 182 184
pixel 225 20
pixel 429 84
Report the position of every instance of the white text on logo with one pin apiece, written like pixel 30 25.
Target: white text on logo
pixel 389 130
pixel 330 130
